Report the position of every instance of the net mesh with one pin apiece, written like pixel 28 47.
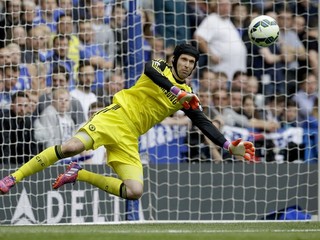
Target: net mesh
pixel 71 57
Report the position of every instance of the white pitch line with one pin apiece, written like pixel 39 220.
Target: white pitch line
pixel 209 231
pixel 214 231
pixel 188 231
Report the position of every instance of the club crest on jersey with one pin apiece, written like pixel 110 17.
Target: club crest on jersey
pixel 92 127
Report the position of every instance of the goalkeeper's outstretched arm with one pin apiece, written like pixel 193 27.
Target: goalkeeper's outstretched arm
pixel 238 147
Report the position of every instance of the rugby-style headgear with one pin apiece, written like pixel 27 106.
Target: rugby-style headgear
pixel 184 48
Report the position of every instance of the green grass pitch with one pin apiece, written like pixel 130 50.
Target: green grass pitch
pixel 168 231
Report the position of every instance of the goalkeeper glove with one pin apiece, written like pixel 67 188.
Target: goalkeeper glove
pixel 186 99
pixel 244 149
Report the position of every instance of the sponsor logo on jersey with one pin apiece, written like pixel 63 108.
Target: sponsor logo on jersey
pixel 170 96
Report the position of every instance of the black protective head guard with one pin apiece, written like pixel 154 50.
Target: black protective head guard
pixel 184 48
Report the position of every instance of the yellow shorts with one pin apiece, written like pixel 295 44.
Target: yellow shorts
pixel 110 127
pixel 125 171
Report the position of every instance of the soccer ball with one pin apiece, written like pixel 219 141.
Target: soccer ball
pixel 263 31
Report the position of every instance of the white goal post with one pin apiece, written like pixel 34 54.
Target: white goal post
pixel 186 178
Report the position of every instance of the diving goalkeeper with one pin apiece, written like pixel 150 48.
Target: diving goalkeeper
pixel 159 92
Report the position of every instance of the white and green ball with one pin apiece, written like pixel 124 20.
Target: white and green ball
pixel 263 31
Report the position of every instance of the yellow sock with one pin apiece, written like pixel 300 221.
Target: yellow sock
pixel 39 162
pixel 109 184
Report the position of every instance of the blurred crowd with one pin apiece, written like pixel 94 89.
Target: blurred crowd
pixel 63 60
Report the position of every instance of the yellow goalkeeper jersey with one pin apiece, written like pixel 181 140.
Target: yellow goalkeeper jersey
pixel 146 103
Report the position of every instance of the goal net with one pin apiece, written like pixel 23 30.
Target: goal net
pixel 62 61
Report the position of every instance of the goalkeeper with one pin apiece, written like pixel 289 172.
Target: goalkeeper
pixel 159 92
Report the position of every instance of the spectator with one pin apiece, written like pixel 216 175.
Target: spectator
pixel 118 25
pixel 5 58
pixel 65 27
pixel 247 85
pixel 34 100
pixel 274 108
pixel 291 48
pixel 38 45
pixel 239 14
pixel 260 6
pixel 48 14
pixel 16 131
pixel 60 57
pixel 233 116
pixel 159 51
pixel 82 92
pixel 60 79
pixel 220 100
pixel 103 32
pixel 24 80
pixel 239 81
pixel 19 36
pixel 147 20
pixel 289 119
pixel 11 84
pixel 28 15
pixel 265 147
pixel 299 26
pixel 220 40
pixel 207 81
pixel 249 109
pixel 306 96
pixel 66 6
pixel 209 109
pixel 148 35
pixel 15 54
pixel 11 18
pixel 95 53
pixel 55 124
pixel 38 73
pixel 222 80
pixel 252 87
pixel 307 9
pixel 115 83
